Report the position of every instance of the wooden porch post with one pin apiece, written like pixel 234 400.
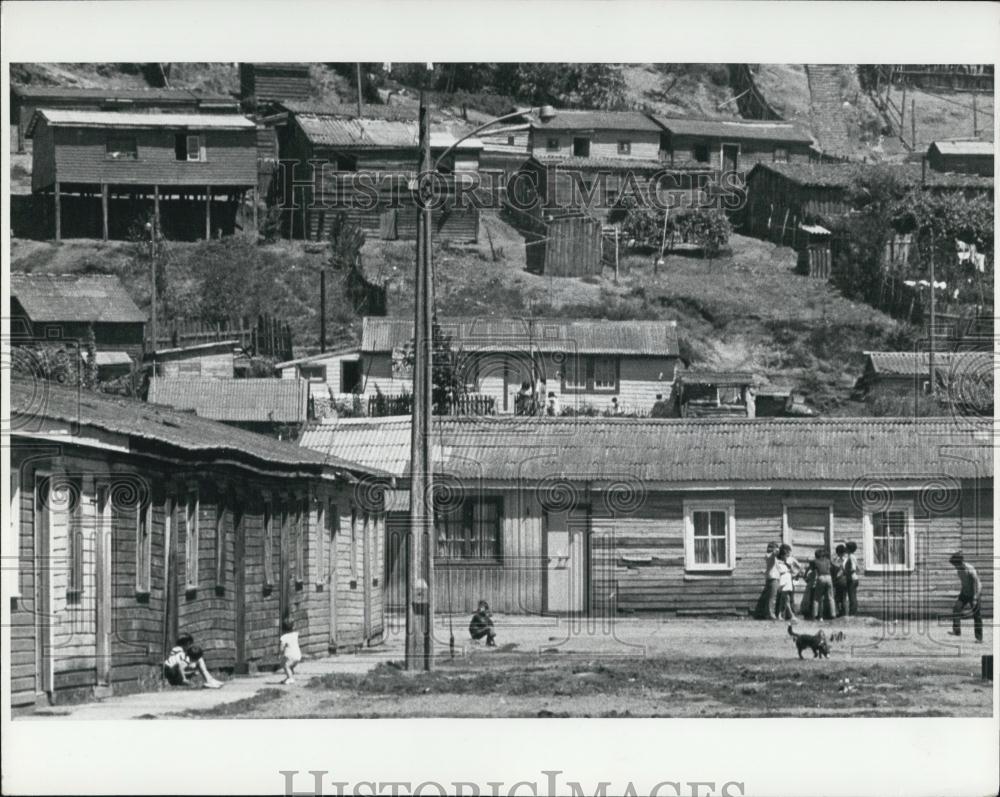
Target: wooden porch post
pixel 58 213
pixel 208 213
pixel 105 190
pixel 254 199
pixel 156 208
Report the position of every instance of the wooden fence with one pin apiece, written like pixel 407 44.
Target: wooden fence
pixel 473 404
pixel 265 337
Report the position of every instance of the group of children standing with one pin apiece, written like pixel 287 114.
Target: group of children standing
pixel 831 583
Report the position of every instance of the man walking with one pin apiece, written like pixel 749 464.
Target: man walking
pixel 970 595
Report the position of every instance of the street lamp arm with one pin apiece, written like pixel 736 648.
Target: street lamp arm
pixel 546 112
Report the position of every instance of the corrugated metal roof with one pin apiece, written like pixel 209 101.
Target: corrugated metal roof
pixel 729 451
pixel 243 400
pixel 334 131
pixel 842 175
pixel 623 164
pixel 659 338
pixel 75 297
pixel 716 377
pixel 914 363
pixel 735 129
pixel 598 120
pixel 964 147
pixel 200 121
pixel 111 358
pixel 34 400
pixel 348 111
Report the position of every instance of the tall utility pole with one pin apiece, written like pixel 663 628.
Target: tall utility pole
pixel 357 72
pixel 322 309
pixel 152 284
pixel 930 342
pixel 420 567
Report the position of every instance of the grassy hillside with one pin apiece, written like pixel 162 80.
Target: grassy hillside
pixel 746 310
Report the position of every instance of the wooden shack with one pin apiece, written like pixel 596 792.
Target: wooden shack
pixel 213 360
pixel 264 85
pixel 671 517
pixel 967 157
pixel 113 171
pixel 628 135
pixel 135 523
pixel 701 394
pixel 365 167
pixel 25 100
pixel 71 307
pixel 780 196
pixel 550 186
pixel 731 145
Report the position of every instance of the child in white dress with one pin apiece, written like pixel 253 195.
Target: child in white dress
pixel 288 646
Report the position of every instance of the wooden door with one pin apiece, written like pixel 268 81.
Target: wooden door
pixel 566 535
pixel 102 604
pixel 240 590
pixel 44 684
pixel 730 157
pixel 333 539
pixel 808 526
pixel 366 574
pixel 171 613
pixel 284 580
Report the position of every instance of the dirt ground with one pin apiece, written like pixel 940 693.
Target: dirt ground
pixel 644 668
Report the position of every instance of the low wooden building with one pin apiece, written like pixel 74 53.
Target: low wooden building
pixel 585 363
pixel 71 307
pixel 731 145
pixel 551 186
pixel 134 523
pixel 264 85
pixel 25 100
pixel 277 407
pixel 334 163
pixel 108 173
pixel 780 196
pixel 553 515
pixel 967 157
pixel 963 379
pixel 214 360
pixel 702 394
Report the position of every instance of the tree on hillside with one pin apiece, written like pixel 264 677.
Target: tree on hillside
pixel 448 371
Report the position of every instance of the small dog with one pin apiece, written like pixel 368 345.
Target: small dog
pixel 815 642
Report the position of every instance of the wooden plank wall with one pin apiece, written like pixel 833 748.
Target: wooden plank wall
pixel 573 247
pixel 207 612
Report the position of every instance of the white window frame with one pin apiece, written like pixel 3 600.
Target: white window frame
pixel 806 503
pixel 720 505
pixel 606 359
pixel 624 146
pixel 869 539
pixel 188 138
pixel 192 507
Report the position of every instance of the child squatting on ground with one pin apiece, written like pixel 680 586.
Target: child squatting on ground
pixel 481 625
pixel 288 644
pixel 186 659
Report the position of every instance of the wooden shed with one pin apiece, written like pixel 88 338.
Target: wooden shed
pixel 334 163
pixel 69 307
pixel 113 170
pixel 213 360
pixel 263 85
pixel 671 517
pixel 135 523
pixel 25 100
pixel 968 157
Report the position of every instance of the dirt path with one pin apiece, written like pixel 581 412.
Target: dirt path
pixel 547 667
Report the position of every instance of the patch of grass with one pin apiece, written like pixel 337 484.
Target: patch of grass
pixel 237 707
